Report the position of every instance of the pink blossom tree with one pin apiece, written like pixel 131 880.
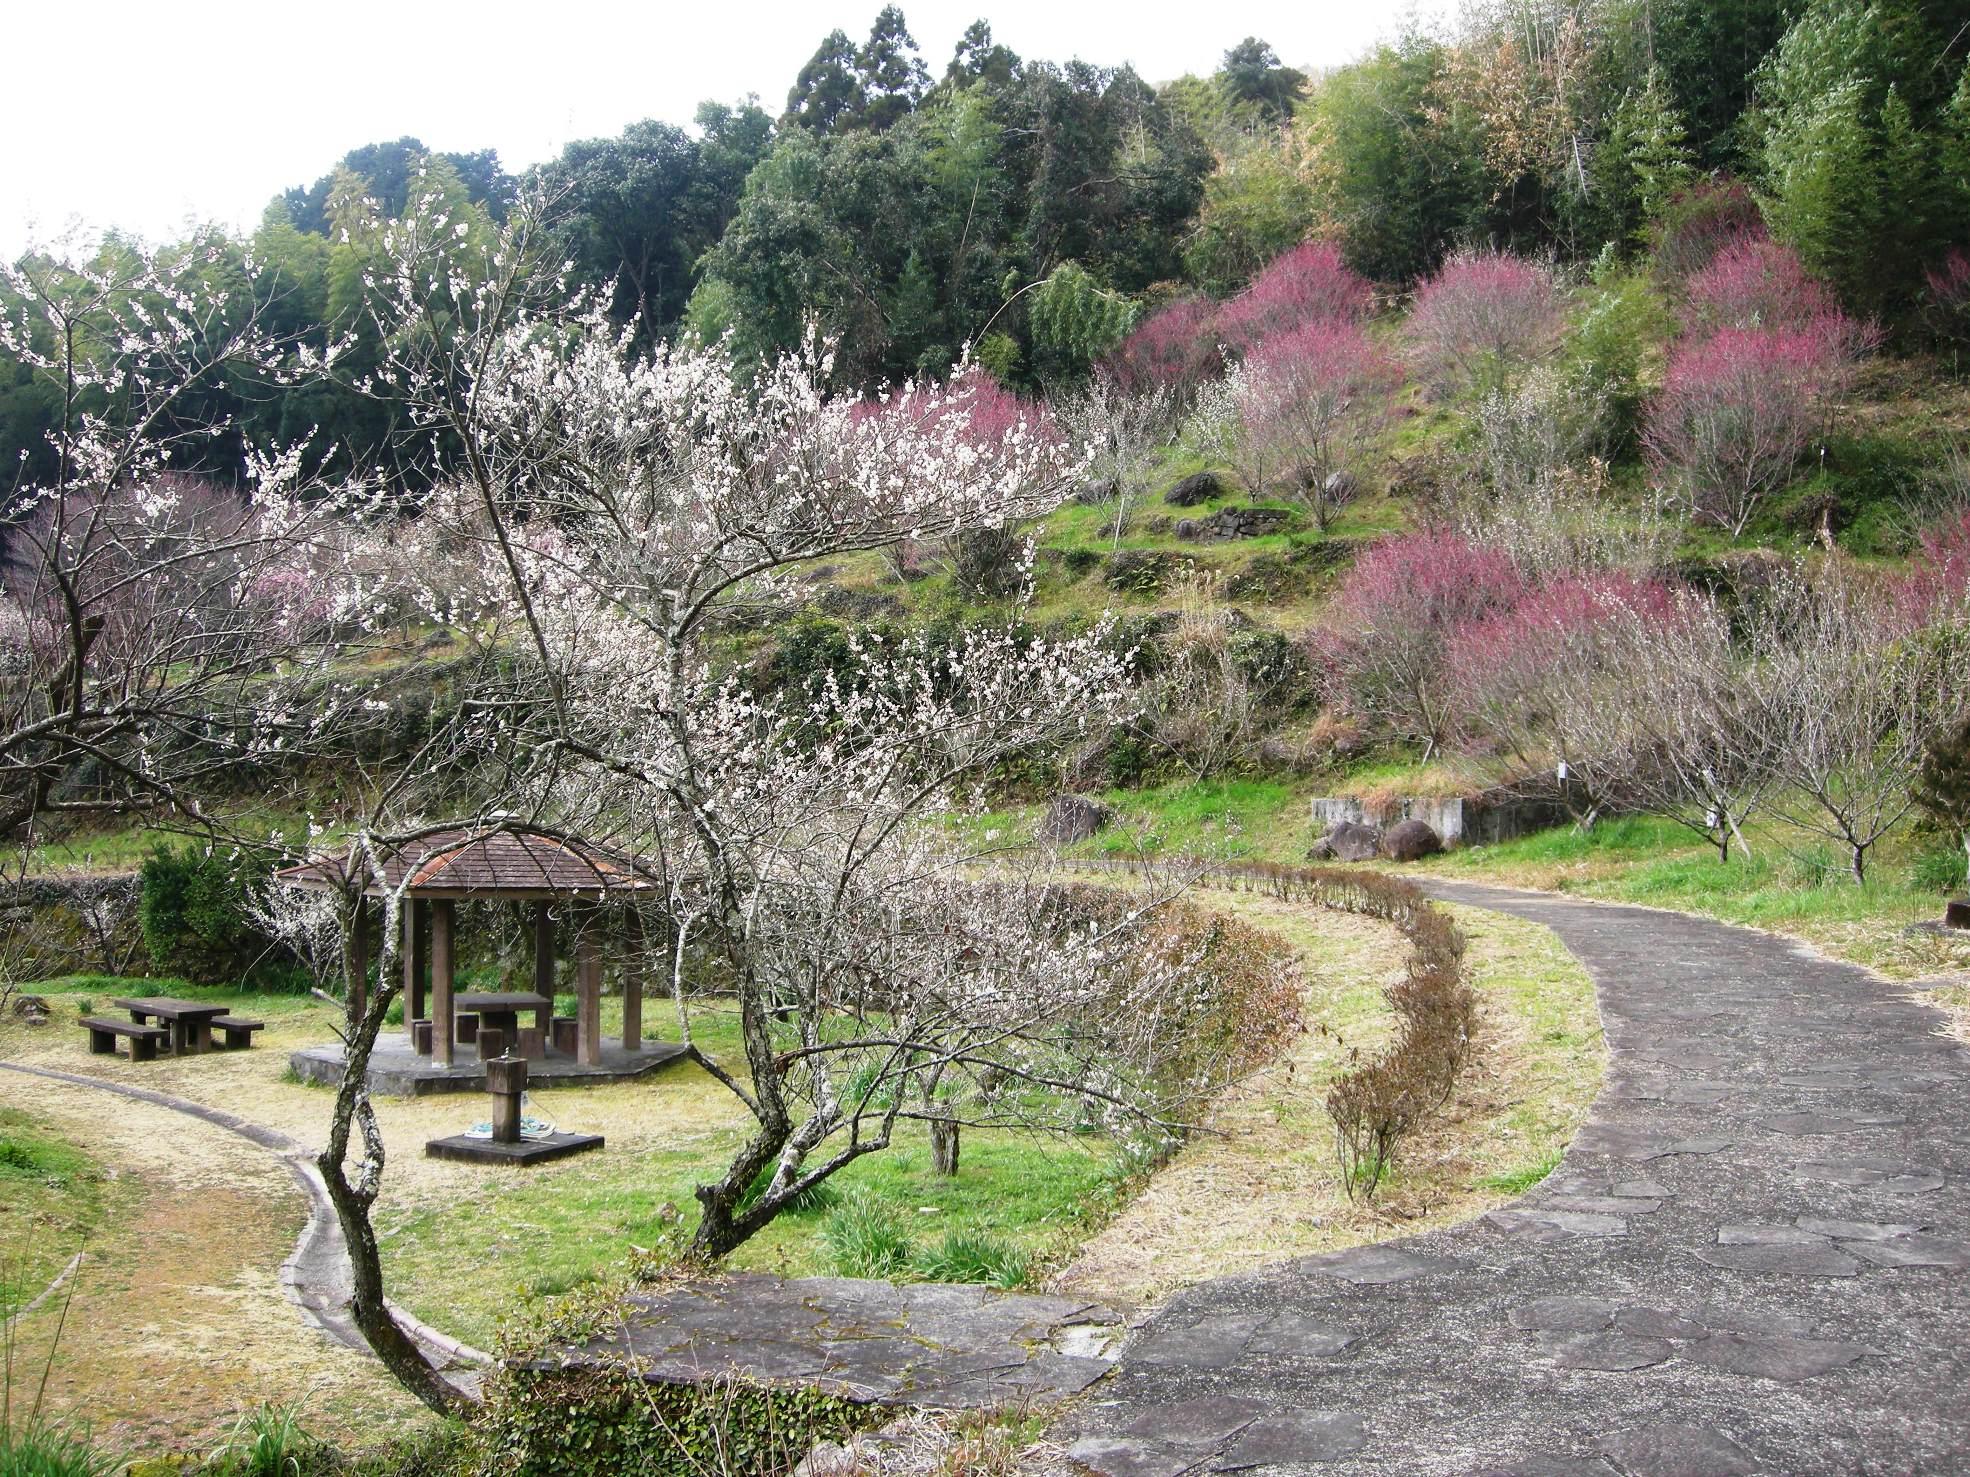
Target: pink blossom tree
pixel 1386 635
pixel 1736 412
pixel 1755 283
pixel 1317 395
pixel 1175 348
pixel 1482 319
pixel 1309 284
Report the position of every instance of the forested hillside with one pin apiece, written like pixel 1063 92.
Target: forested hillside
pixel 1442 406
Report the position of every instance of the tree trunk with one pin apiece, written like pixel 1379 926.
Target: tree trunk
pixel 1860 866
pixel 395 1348
pixel 943 1146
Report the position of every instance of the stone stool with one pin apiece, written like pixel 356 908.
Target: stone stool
pixel 420 1037
pixel 491 1043
pixel 566 1034
pixel 468 1028
pixel 530 1046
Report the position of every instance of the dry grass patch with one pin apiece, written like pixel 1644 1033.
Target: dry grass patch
pixel 1263 1182
pixel 178 1319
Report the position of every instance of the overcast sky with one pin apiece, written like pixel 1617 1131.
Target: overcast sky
pixel 147 116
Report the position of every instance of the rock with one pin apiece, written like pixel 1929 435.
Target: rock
pixel 1409 841
pixel 1189 528
pixel 1350 841
pixel 1956 913
pixel 1236 523
pixel 1073 818
pixel 1201 487
pixel 1339 486
pixel 32 1009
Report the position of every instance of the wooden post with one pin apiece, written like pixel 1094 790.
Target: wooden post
pixel 416 920
pixel 442 917
pixel 588 992
pixel 507 1079
pixel 632 986
pixel 543 950
pixel 359 962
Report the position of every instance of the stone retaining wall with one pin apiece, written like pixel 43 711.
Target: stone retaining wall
pixel 1460 821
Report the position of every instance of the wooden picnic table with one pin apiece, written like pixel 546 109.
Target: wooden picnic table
pixel 501 1009
pixel 190 1020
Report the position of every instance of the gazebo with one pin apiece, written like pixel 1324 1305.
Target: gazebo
pixel 433 872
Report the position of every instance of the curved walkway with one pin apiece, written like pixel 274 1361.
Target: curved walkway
pixel 1755 1258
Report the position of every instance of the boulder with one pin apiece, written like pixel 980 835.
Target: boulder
pixel 1349 841
pixel 1189 528
pixel 1410 841
pixel 1073 818
pixel 32 1009
pixel 1339 486
pixel 1200 487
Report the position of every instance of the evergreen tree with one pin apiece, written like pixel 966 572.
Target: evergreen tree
pixel 892 73
pixel 828 91
pixel 1253 75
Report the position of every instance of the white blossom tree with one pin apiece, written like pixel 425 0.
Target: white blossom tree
pixel 157 631
pixel 614 516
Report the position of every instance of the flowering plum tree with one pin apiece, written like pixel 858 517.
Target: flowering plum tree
pixel 1482 319
pixel 617 513
pixel 1737 411
pixel 1176 348
pixel 1384 644
pixel 1753 282
pixel 156 630
pixel 1308 285
pixel 1851 697
pixel 1316 396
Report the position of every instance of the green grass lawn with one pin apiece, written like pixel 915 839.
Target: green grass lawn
pixel 52 1199
pixel 1799 888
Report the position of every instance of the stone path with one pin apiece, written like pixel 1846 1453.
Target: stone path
pixel 925 1345
pixel 1755 1258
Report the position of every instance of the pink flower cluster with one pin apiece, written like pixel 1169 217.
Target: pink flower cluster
pixel 1306 286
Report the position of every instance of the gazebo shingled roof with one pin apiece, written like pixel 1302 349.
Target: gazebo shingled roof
pixel 504 861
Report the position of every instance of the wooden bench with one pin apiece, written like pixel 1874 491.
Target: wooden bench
pixel 239 1033
pixel 144 1040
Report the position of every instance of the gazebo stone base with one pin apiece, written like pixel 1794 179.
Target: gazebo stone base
pixel 397 1071
pixel 467 1150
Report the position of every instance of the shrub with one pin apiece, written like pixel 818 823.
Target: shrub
pixel 1481 319
pixel 1305 286
pixel 1383 646
pixel 193 913
pixel 1737 411
pixel 973 1256
pixel 596 1423
pixel 1377 1103
pixel 867 1238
